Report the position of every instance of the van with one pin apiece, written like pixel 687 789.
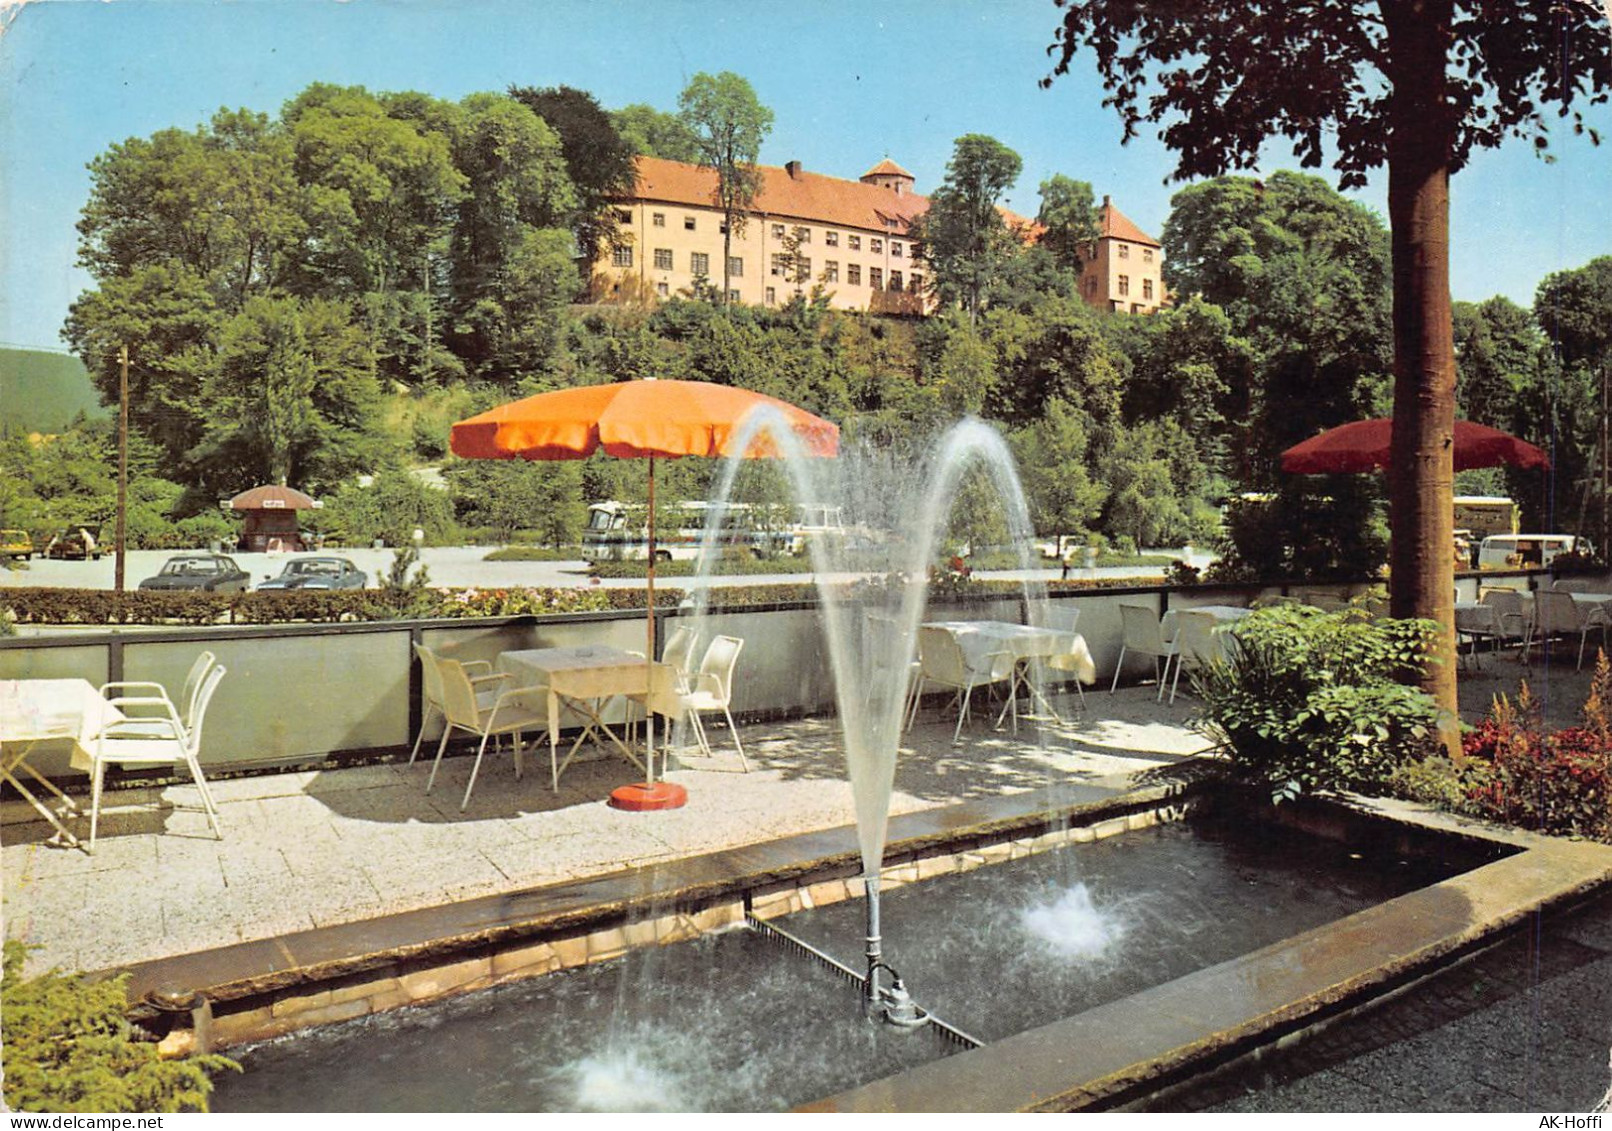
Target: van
pixel 1526 551
pixel 15 544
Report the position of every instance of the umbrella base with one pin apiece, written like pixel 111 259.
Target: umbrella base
pixel 641 797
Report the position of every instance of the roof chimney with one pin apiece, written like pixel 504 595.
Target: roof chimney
pixel 793 169
pixel 1105 200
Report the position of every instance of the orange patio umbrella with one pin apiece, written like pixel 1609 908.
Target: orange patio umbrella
pixel 642 419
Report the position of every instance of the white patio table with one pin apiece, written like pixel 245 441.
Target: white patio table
pixel 39 715
pixel 586 678
pixel 981 639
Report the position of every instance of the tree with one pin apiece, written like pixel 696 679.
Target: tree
pixel 1575 309
pixel 655 133
pixel 1068 219
pixel 1413 85
pixel 598 159
pixel 964 235
pixel 729 124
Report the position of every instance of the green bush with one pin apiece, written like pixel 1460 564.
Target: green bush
pixel 1311 701
pixel 69 1048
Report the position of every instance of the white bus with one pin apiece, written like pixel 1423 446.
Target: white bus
pixel 620 531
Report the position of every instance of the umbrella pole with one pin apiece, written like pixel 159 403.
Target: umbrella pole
pixel 649 645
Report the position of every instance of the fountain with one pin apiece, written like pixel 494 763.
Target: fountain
pixel 901 510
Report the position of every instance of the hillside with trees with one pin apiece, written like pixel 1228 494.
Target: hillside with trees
pixel 313 296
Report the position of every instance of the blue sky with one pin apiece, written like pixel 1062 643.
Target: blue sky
pixel 849 82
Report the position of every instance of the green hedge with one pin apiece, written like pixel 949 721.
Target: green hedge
pixel 41 606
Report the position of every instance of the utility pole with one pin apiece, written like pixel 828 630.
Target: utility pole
pixel 123 465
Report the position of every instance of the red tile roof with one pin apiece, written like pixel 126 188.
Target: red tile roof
pixel 888 168
pixel 805 196
pixel 1112 223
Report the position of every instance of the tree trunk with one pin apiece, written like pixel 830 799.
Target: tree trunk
pixel 1421 513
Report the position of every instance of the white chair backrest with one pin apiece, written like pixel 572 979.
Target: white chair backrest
pixel 1506 602
pixel 1142 631
pixel 941 656
pixel 430 676
pixel 458 695
pixel 1557 611
pixel 719 661
pixel 1195 636
pixel 1062 615
pixel 193 685
pixel 678 651
pixel 204 696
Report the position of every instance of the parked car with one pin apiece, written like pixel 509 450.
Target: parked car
pixel 15 544
pixel 1498 551
pixel 317 573
pixel 210 573
pixel 78 542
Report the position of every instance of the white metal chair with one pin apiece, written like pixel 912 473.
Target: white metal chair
pixel 1143 633
pixel 507 715
pixel 1067 663
pixel 676 653
pixel 1511 616
pixel 156 741
pixel 943 663
pixel 431 688
pixel 1195 643
pixel 135 697
pixel 712 690
pixel 1557 614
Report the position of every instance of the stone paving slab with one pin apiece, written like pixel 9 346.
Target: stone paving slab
pixel 316 848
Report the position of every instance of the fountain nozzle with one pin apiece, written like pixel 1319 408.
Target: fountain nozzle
pixel 899 1008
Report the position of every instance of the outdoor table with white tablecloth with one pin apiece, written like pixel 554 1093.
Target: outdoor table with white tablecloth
pixel 980 640
pixel 41 715
pixel 586 678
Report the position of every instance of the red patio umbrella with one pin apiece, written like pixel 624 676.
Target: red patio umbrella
pixel 638 420
pixel 1363 445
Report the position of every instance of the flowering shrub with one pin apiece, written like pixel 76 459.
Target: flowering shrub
pixel 1557 783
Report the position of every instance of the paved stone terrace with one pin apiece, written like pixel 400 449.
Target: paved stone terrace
pixel 317 848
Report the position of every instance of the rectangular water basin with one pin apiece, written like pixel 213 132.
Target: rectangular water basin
pixel 734 1022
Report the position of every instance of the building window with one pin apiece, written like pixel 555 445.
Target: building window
pixel 777 231
pixel 663 259
pixel 895 249
pixel 1124 284
pixel 624 217
pixel 659 219
pixel 733 296
pixel 876 245
pixel 854 243
pixel 803 268
pixel 1147 255
pixel 688 223
pixel 772 296
pixel 780 266
pixel 876 278
pixel 1124 251
pixel 699 263
pixel 662 290
pixel 832 239
pixel 803 235
pixel 916 284
pixel 621 256
pixel 831 271
pixel 853 273
pixel 1147 288
pixel 735 267
pixel 895 280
